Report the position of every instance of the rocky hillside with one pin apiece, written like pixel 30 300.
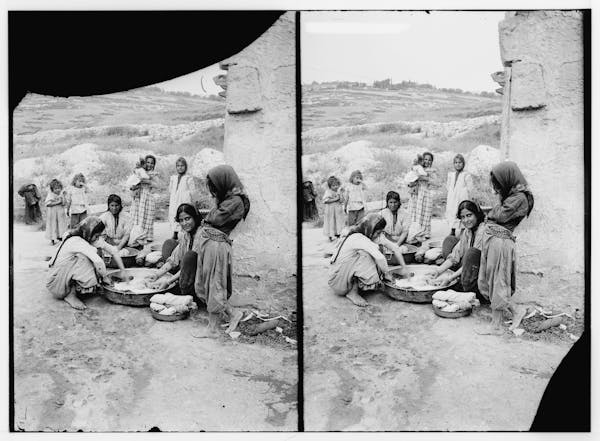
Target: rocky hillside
pixel 396 126
pixel 102 137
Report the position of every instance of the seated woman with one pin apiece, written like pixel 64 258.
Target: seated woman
pixel 463 254
pixel 76 267
pixel 357 263
pixel 396 228
pixel 117 223
pixel 181 255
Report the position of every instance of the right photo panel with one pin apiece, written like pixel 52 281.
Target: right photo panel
pixel 443 235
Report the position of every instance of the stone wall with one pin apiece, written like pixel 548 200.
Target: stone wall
pixel 542 52
pixel 260 143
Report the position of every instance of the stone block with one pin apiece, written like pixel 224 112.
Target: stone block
pixel 528 90
pixel 244 91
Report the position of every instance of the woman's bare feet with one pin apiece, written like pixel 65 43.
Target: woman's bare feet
pixel 74 301
pixel 519 312
pixel 355 297
pixel 235 315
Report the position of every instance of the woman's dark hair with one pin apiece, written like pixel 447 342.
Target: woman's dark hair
pixel 211 187
pixel 428 154
pixel 473 208
pixel 191 210
pixel 392 195
pixel 98 229
pixel 379 226
pixel 150 156
pixel 114 198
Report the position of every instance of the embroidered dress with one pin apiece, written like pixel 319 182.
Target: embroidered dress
pixel 115 230
pixel 143 210
pixel 421 205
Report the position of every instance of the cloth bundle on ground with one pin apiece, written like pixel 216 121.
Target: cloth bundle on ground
pixel 454 301
pixel 137 236
pixel 153 257
pixel 169 304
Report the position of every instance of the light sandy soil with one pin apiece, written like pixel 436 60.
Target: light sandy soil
pixel 115 368
pixel 396 366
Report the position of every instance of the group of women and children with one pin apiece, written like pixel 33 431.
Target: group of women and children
pixel 197 257
pixel 479 250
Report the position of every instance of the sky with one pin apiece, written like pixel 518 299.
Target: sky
pixel 443 48
pixel 198 83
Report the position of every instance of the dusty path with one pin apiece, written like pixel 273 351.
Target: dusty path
pixel 114 368
pixel 397 366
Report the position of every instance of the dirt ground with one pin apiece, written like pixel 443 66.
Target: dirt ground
pixel 396 366
pixel 115 368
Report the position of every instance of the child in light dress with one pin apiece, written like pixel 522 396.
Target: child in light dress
pixel 139 173
pixel 417 170
pixel 356 202
pixel 56 216
pixel 333 199
pixel 77 201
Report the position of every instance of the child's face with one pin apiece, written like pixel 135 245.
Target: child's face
pixel 357 180
pixel 335 186
pixel 458 164
pixel 149 164
pixel 57 190
pixel 427 161
pixel 180 167
pixel 79 183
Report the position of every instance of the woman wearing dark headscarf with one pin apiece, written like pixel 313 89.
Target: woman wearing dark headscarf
pixel 459 187
pixel 182 190
pixel 32 197
pixel 498 257
pixel 213 245
pixel 76 267
pixel 357 263
pixel 117 223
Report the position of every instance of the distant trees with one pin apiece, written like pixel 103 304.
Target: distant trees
pixel 387 84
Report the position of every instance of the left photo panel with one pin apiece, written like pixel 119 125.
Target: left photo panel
pixel 153 238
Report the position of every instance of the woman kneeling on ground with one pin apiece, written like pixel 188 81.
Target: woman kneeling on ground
pixel 212 247
pixel 76 267
pixel 463 253
pixel 357 263
pixel 396 228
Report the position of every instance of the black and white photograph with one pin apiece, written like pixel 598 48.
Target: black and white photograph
pixel 256 220
pixel 154 234
pixel 443 216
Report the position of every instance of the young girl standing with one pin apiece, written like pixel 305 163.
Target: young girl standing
pixel 357 201
pixel 56 218
pixel 497 271
pixel 182 190
pixel 77 202
pixel 333 199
